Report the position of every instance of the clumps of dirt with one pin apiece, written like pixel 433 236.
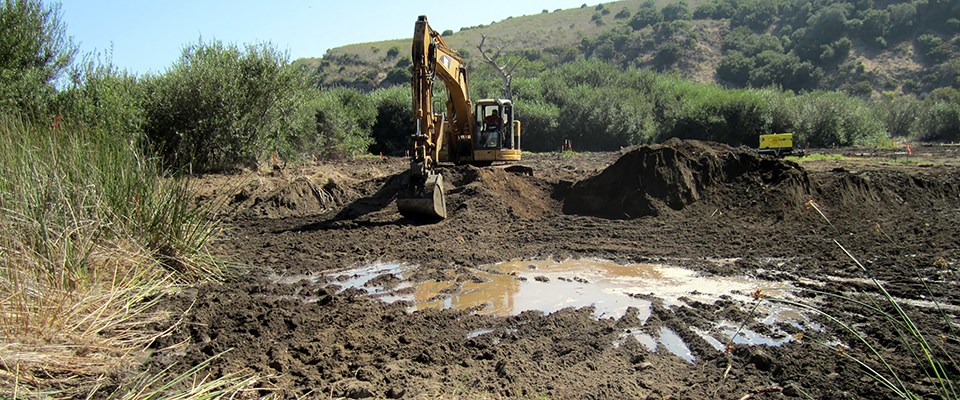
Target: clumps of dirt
pixel 651 180
pixel 886 188
pixel 302 196
pixel 280 197
pixel 502 191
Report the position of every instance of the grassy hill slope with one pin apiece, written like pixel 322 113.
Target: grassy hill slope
pixel 867 49
pixel 366 65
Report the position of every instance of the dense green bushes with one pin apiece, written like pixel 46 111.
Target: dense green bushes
pixel 601 107
pixel 34 51
pixel 221 106
pixel 394 121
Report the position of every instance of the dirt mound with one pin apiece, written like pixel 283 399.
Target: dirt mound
pixel 649 180
pixel 278 197
pixel 499 191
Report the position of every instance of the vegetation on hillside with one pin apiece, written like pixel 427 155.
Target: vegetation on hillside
pixel 865 48
pixel 779 66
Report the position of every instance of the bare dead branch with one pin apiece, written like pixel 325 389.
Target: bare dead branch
pixel 505 70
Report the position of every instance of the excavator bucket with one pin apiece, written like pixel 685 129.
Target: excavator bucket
pixel 426 204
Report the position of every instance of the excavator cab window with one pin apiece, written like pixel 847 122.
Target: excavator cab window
pixel 495 126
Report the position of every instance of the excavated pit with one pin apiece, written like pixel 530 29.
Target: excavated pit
pixel 715 210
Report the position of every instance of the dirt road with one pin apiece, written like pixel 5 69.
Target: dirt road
pixel 342 298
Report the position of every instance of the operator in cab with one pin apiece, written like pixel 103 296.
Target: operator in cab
pixel 493 125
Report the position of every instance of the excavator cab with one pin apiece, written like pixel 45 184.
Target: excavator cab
pixel 496 132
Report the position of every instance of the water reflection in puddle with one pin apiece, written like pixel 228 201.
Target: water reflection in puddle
pixel 666 337
pixel 510 288
pixel 513 287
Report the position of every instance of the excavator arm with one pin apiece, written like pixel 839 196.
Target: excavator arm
pixel 432 58
pixel 436 135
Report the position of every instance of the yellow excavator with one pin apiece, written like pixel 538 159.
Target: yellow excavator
pixel 463 133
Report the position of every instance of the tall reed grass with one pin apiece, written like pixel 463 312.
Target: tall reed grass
pixel 91 236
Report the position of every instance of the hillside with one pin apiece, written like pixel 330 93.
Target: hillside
pixel 558 32
pixel 867 48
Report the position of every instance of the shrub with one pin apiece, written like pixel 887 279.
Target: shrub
pixel 755 14
pixel 676 11
pixel 540 123
pixel 342 121
pixel 646 16
pixel 221 106
pixel 899 114
pixel 394 122
pixel 735 68
pixel 101 97
pixel 393 52
pixel 749 43
pixel 708 112
pixel 786 70
pixel 947 94
pixel 397 76
pixel 939 121
pixel 667 55
pixel 827 119
pixel 34 51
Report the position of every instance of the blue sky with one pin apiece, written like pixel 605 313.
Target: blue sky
pixel 148 36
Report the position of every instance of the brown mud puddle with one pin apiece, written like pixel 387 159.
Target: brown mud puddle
pixel 610 289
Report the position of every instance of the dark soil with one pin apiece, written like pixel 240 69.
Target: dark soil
pixel 688 203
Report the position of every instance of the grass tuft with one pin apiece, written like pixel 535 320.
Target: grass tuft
pixel 90 240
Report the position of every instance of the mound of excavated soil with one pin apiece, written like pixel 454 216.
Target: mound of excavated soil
pixel 300 196
pixel 648 180
pixel 498 191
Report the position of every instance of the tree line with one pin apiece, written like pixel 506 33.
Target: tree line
pixel 222 106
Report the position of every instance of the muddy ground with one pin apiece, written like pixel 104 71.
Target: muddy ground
pixel 715 210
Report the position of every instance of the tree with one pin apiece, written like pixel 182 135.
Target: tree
pixel 735 68
pixel 902 17
pixel 504 66
pixel 34 51
pixel 676 11
pixel 876 23
pixel 755 14
pixel 222 106
pixel 828 24
pixel 394 121
pixel 647 15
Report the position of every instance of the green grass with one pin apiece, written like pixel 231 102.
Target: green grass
pixel 92 238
